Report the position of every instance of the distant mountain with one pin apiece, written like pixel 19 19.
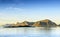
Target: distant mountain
pixel 42 23
pixel 24 24
pixel 9 25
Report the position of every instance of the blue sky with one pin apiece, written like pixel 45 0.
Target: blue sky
pixel 12 11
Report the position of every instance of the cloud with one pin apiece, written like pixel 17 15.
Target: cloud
pixel 13 8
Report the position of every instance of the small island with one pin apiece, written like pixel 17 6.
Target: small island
pixel 41 23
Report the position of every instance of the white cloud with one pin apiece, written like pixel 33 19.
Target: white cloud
pixel 14 8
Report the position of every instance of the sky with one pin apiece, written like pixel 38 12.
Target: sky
pixel 12 11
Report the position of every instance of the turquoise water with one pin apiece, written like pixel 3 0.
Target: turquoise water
pixel 30 32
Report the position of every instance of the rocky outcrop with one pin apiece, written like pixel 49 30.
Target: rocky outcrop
pixel 44 23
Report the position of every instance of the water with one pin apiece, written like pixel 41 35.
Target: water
pixel 30 32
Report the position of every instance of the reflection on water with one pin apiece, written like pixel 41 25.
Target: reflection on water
pixel 30 32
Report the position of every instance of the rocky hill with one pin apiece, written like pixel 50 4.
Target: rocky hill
pixel 42 23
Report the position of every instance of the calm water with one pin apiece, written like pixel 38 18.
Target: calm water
pixel 30 32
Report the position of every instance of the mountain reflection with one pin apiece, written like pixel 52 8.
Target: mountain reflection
pixel 31 32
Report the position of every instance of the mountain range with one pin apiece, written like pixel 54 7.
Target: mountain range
pixel 41 23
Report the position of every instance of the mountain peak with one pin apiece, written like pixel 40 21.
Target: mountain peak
pixel 46 20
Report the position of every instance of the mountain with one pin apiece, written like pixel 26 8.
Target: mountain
pixel 9 25
pixel 24 24
pixel 44 23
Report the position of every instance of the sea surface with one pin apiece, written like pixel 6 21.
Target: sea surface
pixel 30 32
